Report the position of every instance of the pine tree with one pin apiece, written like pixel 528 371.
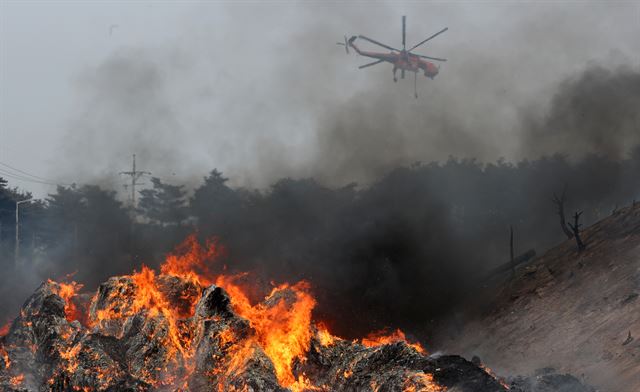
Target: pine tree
pixel 163 204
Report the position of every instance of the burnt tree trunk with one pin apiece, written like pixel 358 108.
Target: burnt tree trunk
pixel 559 202
pixel 511 259
pixel 575 227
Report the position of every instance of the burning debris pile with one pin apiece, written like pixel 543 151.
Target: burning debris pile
pixel 182 330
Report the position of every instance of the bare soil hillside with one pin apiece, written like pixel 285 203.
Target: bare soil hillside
pixel 578 312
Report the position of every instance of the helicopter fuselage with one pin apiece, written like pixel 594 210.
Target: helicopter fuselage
pixel 402 60
pixel 412 63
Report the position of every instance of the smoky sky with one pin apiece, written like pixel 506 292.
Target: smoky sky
pixel 592 112
pixel 261 91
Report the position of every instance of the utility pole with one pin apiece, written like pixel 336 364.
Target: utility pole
pixel 17 251
pixel 135 176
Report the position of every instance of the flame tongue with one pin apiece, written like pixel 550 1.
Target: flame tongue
pixel 282 324
pixel 382 337
pixel 68 291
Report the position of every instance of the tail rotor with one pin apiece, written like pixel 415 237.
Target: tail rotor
pixel 345 44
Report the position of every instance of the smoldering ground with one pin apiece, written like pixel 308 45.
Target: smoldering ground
pixel 400 249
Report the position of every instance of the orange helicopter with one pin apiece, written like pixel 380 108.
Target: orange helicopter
pixel 404 59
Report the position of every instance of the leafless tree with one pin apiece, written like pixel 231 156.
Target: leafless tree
pixel 559 202
pixel 575 227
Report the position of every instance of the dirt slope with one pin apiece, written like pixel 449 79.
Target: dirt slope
pixel 572 311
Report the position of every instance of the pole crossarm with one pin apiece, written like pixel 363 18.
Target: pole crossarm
pixel 135 176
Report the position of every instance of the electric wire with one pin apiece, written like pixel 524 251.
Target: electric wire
pixel 24 172
pixel 26 176
pixel 22 178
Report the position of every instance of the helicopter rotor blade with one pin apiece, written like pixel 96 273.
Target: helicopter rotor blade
pixel 430 38
pixel 377 43
pixel 428 57
pixel 404 32
pixel 370 64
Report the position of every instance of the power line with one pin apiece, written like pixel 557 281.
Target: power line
pixel 14 176
pixel 24 172
pixel 26 176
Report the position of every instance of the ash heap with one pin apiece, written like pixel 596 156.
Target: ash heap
pixel 185 329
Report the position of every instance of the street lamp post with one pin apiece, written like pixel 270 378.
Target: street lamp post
pixel 17 251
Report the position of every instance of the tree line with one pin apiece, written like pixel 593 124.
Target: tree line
pixel 397 252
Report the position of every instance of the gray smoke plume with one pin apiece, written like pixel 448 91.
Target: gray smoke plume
pixel 593 112
pixel 265 95
pixel 263 92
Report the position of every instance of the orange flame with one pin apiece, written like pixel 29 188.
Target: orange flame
pixel 281 323
pixel 382 337
pixel 67 291
pixel 283 330
pixel 16 380
pixel 283 327
pixel 5 357
pixel 70 357
pixel 5 329
pixel 422 382
pixel 189 260
pixel 494 376
pixel 324 336
pixel 149 297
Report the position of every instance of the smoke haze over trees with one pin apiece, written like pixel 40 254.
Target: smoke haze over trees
pixel 397 253
pixel 399 248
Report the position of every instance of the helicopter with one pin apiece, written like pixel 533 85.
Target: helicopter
pixel 404 59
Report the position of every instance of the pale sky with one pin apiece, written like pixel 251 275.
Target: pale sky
pixel 250 87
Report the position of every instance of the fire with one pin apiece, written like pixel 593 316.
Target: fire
pixel 283 327
pixel 226 336
pixel 5 357
pixel 150 298
pixel 324 336
pixel 495 377
pixel 67 291
pixel 5 329
pixel 70 357
pixel 422 382
pixel 382 337
pixel 189 261
pixel 17 380
pixel 281 324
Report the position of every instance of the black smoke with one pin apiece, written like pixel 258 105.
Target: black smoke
pixel 400 251
pixel 594 112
